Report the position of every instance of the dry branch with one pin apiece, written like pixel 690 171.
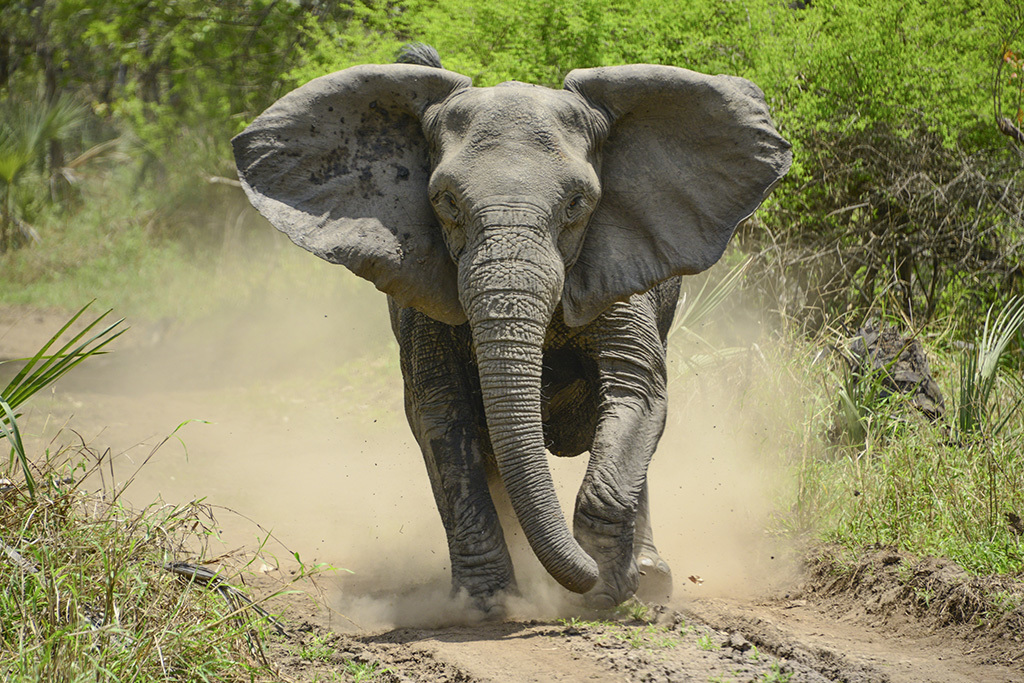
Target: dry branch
pixel 1007 128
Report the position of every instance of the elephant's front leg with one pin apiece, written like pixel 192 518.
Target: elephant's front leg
pixel 443 407
pixel 655 574
pixel 611 508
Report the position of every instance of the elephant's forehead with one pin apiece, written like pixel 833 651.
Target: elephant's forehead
pixel 514 109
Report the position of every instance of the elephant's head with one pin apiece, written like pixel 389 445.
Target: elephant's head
pixel 494 205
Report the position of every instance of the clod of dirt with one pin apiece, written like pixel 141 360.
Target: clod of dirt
pixel 737 642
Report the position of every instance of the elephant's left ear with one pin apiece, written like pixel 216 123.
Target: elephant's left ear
pixel 688 157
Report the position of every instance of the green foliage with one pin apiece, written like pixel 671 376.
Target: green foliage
pixel 27 130
pixel 868 410
pixel 489 40
pixel 902 191
pixel 317 648
pixel 976 407
pixel 161 66
pixel 706 641
pixel 776 674
pixel 87 598
pixel 697 308
pixel 634 610
pixel 929 499
pixel 364 671
pixel 853 64
pixel 834 66
pixel 860 402
pixel 42 370
pixel 908 484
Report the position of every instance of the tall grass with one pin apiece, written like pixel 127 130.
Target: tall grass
pixel 952 488
pixel 87 595
pixel 26 130
pixel 697 309
pixel 42 370
pixel 923 495
pixel 861 465
pixel 977 407
pixel 89 585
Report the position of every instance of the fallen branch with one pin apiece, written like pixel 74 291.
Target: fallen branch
pixel 237 601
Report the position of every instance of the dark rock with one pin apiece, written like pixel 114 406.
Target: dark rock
pixel 903 365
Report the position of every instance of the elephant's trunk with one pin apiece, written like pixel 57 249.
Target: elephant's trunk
pixel 509 299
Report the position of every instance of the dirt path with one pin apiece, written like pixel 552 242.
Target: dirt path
pixel 700 640
pixel 304 434
pixel 847 649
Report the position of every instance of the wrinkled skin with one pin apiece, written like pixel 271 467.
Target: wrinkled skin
pixel 530 240
pixel 602 390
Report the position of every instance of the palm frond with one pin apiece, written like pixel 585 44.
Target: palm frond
pixel 979 369
pixel 42 370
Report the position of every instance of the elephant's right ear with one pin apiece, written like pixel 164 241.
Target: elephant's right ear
pixel 341 166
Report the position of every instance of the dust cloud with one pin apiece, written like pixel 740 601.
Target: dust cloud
pixel 295 437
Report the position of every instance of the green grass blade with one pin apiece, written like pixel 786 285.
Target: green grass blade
pixel 59 364
pixel 32 379
pixel 9 431
pixel 691 311
pixel 41 370
pixel 25 383
pixel 996 337
pixel 41 353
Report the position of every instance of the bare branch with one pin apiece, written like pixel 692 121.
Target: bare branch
pixel 1007 128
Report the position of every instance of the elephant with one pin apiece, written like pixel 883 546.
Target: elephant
pixel 531 242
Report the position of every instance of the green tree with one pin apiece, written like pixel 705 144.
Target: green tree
pixel 26 131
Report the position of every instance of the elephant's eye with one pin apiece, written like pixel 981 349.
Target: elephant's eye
pixel 446 205
pixel 449 203
pixel 574 205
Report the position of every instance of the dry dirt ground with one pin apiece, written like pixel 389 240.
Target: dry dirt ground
pixel 295 441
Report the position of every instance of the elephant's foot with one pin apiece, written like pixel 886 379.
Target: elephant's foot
pixel 655 577
pixel 486 607
pixel 610 545
pixel 613 587
pixel 486 592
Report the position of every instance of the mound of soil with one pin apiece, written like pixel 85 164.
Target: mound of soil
pixel 932 595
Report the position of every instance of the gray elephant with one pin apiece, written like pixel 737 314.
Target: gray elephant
pixel 530 242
